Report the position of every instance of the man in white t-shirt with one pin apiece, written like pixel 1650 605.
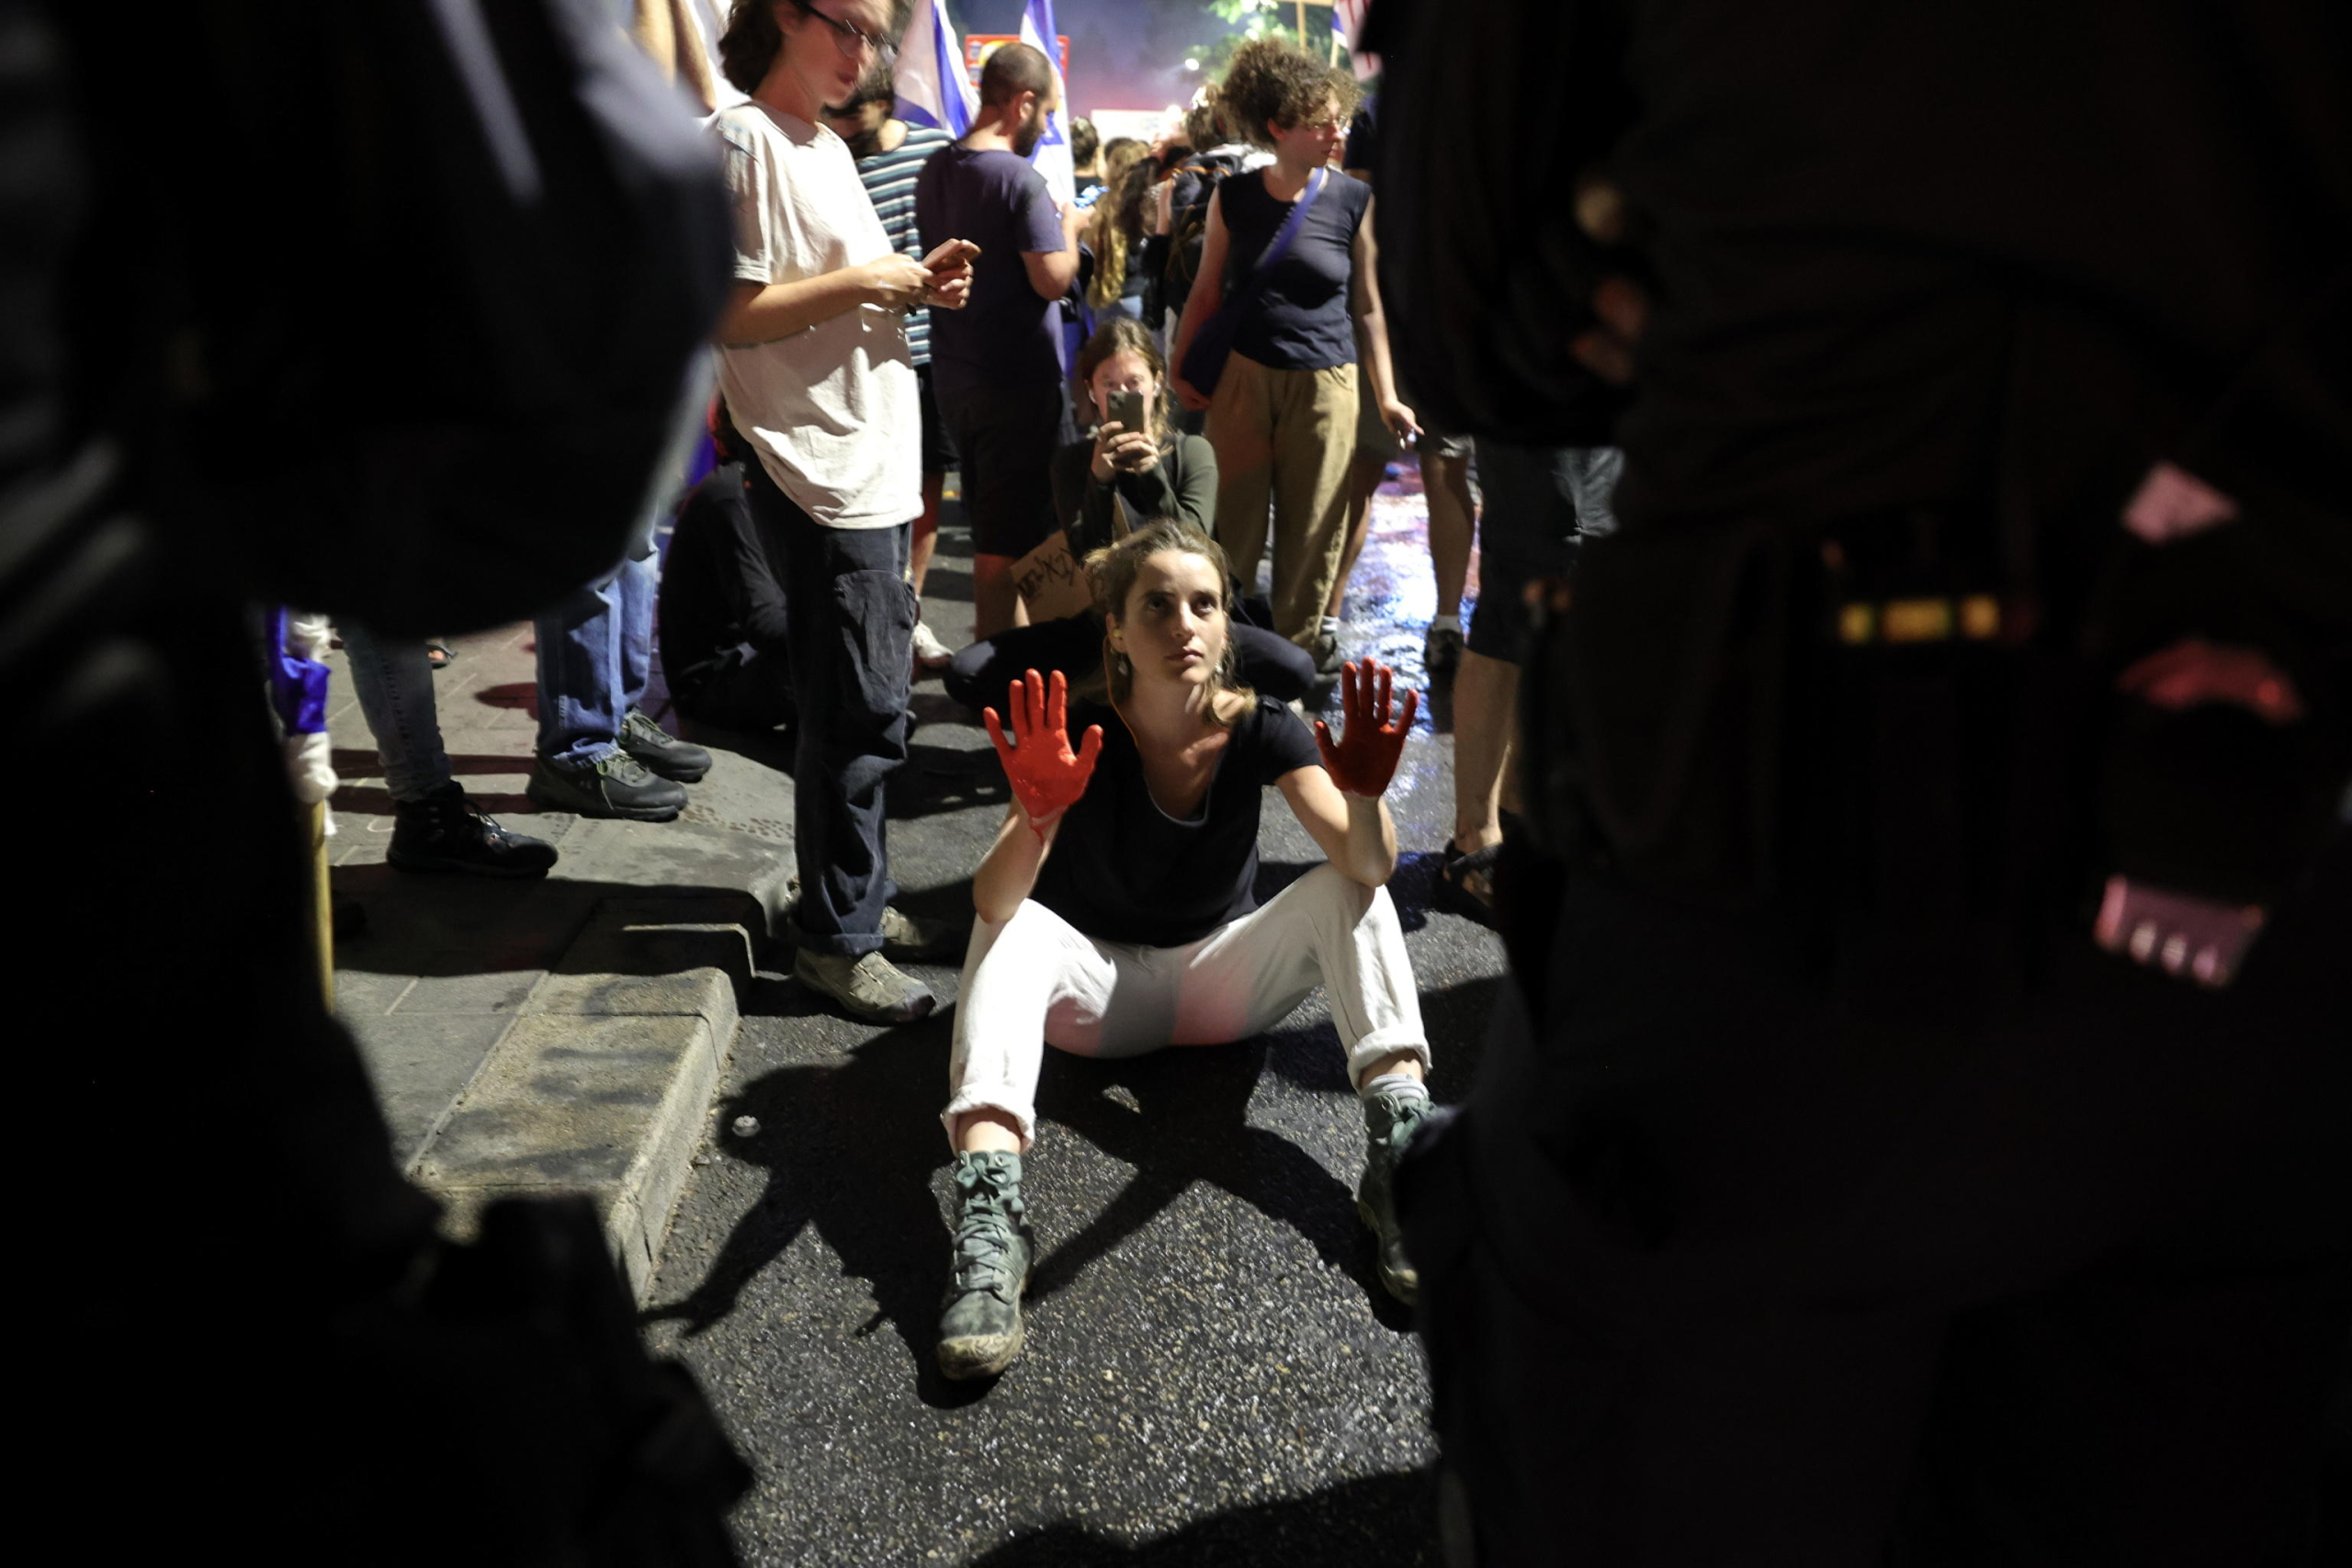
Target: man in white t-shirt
pixel 814 367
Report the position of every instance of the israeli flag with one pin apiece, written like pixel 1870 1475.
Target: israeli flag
pixel 934 89
pixel 1051 157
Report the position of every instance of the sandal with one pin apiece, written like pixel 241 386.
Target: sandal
pixel 1465 882
pixel 438 653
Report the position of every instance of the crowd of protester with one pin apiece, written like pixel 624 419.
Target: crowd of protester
pixel 1870 1195
pixel 1287 426
pixel 902 311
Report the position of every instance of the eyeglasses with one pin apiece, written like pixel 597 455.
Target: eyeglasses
pixel 848 39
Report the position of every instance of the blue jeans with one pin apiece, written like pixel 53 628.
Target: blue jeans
pixel 595 656
pixel 393 681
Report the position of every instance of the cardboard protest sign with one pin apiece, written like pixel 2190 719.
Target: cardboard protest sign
pixel 1051 579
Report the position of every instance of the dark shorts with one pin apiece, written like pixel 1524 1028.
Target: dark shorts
pixel 1005 439
pixel 1374 444
pixel 1539 502
pixel 938 451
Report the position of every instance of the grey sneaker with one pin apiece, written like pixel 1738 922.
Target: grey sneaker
pixel 1328 657
pixel 979 1323
pixel 618 785
pixel 871 987
pixel 904 936
pixel 661 751
pixel 1390 1121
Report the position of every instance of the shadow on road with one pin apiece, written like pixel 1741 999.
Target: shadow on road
pixel 1382 1521
pixel 1184 1118
pixel 853 1147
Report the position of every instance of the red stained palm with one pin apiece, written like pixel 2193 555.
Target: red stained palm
pixel 1363 759
pixel 1047 778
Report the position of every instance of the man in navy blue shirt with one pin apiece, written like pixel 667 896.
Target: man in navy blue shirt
pixel 995 365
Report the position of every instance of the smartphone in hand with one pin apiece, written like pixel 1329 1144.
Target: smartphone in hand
pixel 1126 408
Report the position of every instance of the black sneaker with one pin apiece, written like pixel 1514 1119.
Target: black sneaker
pixel 979 1323
pixel 618 785
pixel 662 751
pixel 445 831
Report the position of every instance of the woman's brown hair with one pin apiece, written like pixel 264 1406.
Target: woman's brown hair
pixel 1273 82
pixel 1116 232
pixel 1124 335
pixel 1111 571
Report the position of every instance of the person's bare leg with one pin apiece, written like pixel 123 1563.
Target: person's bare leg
pixel 986 1132
pixel 926 534
pixel 996 607
pixel 1362 483
pixel 1403 1062
pixel 1485 697
pixel 1445 483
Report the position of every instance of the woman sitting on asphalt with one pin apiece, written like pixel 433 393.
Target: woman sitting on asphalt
pixel 1116 913
pixel 1103 486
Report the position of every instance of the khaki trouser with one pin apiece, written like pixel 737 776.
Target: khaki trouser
pixel 1290 435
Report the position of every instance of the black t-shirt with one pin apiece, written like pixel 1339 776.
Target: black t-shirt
pixel 1123 870
pixel 1006 337
pixel 721 581
pixel 1301 321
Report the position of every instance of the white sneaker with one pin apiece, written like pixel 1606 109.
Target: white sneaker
pixel 931 654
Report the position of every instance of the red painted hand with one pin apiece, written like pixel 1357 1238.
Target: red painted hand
pixel 1046 777
pixel 1363 759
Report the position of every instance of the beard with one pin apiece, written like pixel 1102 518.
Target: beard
pixel 1033 130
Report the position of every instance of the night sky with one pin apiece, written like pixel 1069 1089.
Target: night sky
pixel 1123 54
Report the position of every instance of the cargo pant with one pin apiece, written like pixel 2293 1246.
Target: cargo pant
pixel 1287 435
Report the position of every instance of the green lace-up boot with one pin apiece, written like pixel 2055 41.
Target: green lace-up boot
pixel 1390 1121
pixel 979 1327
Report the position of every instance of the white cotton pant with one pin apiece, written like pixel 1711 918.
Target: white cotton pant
pixel 1035 980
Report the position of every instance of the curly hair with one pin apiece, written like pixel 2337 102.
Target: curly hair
pixel 1204 125
pixel 1272 81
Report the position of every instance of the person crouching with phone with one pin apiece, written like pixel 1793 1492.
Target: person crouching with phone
pixel 1134 469
pixel 1116 913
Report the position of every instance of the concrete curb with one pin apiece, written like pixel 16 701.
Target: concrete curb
pixel 567 1033
pixel 601 1082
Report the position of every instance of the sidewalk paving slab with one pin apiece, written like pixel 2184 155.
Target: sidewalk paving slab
pixel 564 1034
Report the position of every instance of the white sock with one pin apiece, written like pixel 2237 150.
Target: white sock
pixel 1404 1084
pixel 1446 624
pixel 1331 625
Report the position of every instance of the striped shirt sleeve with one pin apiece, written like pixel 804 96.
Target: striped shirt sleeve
pixel 891 183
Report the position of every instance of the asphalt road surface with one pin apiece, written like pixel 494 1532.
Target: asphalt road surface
pixel 1213 1373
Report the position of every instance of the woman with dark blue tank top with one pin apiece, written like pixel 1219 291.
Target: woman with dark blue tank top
pixel 1283 418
